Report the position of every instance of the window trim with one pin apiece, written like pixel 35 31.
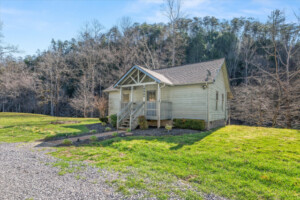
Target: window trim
pixel 154 91
pixel 217 99
pixel 222 101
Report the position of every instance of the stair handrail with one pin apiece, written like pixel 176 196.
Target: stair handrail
pixel 136 113
pixel 123 113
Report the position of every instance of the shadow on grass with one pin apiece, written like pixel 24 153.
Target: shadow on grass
pixel 81 130
pixel 181 140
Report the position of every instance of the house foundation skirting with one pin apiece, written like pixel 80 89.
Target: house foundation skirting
pixel 212 124
pixel 217 123
pixel 163 123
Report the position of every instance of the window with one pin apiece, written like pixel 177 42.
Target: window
pixel 125 98
pixel 151 95
pixel 222 101
pixel 217 98
pixel 151 103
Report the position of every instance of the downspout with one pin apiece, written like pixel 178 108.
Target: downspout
pixel 159 104
pixel 164 85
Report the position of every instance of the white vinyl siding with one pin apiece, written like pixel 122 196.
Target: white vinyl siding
pixel 113 102
pixel 215 109
pixel 188 101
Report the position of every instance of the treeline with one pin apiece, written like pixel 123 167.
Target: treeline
pixel 263 61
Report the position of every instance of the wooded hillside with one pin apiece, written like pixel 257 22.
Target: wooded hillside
pixel 263 61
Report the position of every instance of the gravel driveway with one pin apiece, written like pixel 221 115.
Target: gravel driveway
pixel 27 172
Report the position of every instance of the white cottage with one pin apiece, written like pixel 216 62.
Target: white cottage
pixel 193 91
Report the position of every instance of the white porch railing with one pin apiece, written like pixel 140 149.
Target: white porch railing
pixel 133 110
pixel 123 104
pixel 151 110
pixel 125 112
pixel 136 112
pixel 165 110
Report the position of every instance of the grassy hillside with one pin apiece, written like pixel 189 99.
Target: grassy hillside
pixel 22 127
pixel 237 162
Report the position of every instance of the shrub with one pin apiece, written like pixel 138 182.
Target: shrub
pixel 168 127
pixel 101 104
pixel 93 131
pixel 143 122
pixel 67 142
pixel 103 119
pixel 103 124
pixel 196 124
pixel 115 134
pixel 113 120
pixel 93 138
pixel 107 129
pixel 128 130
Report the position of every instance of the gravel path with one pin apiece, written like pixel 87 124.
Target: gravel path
pixel 28 173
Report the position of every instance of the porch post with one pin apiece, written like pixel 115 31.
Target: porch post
pixel 121 96
pixel 131 99
pixel 158 106
pixel 144 100
pixel 121 99
pixel 131 94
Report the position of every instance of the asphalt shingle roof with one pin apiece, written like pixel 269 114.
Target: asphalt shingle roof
pixel 186 74
pixel 192 73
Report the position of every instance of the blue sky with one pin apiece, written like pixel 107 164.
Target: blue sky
pixel 31 24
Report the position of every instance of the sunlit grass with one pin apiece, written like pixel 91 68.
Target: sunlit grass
pixel 22 127
pixel 237 162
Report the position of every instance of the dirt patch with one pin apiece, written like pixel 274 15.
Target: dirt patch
pixel 99 128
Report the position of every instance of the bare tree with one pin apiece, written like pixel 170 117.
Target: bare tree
pixel 5 49
pixel 83 100
pixel 52 70
pixel 17 87
pixel 172 9
pixel 101 104
pixel 274 61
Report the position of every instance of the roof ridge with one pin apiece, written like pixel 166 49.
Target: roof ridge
pixel 188 64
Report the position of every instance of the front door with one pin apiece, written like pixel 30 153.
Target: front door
pixel 151 104
pixel 125 100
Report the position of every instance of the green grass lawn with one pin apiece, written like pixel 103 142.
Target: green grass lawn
pixel 21 127
pixel 237 162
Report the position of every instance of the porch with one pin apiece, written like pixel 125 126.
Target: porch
pixel 141 95
pixel 152 110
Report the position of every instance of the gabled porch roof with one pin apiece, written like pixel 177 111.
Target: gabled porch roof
pixel 144 73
